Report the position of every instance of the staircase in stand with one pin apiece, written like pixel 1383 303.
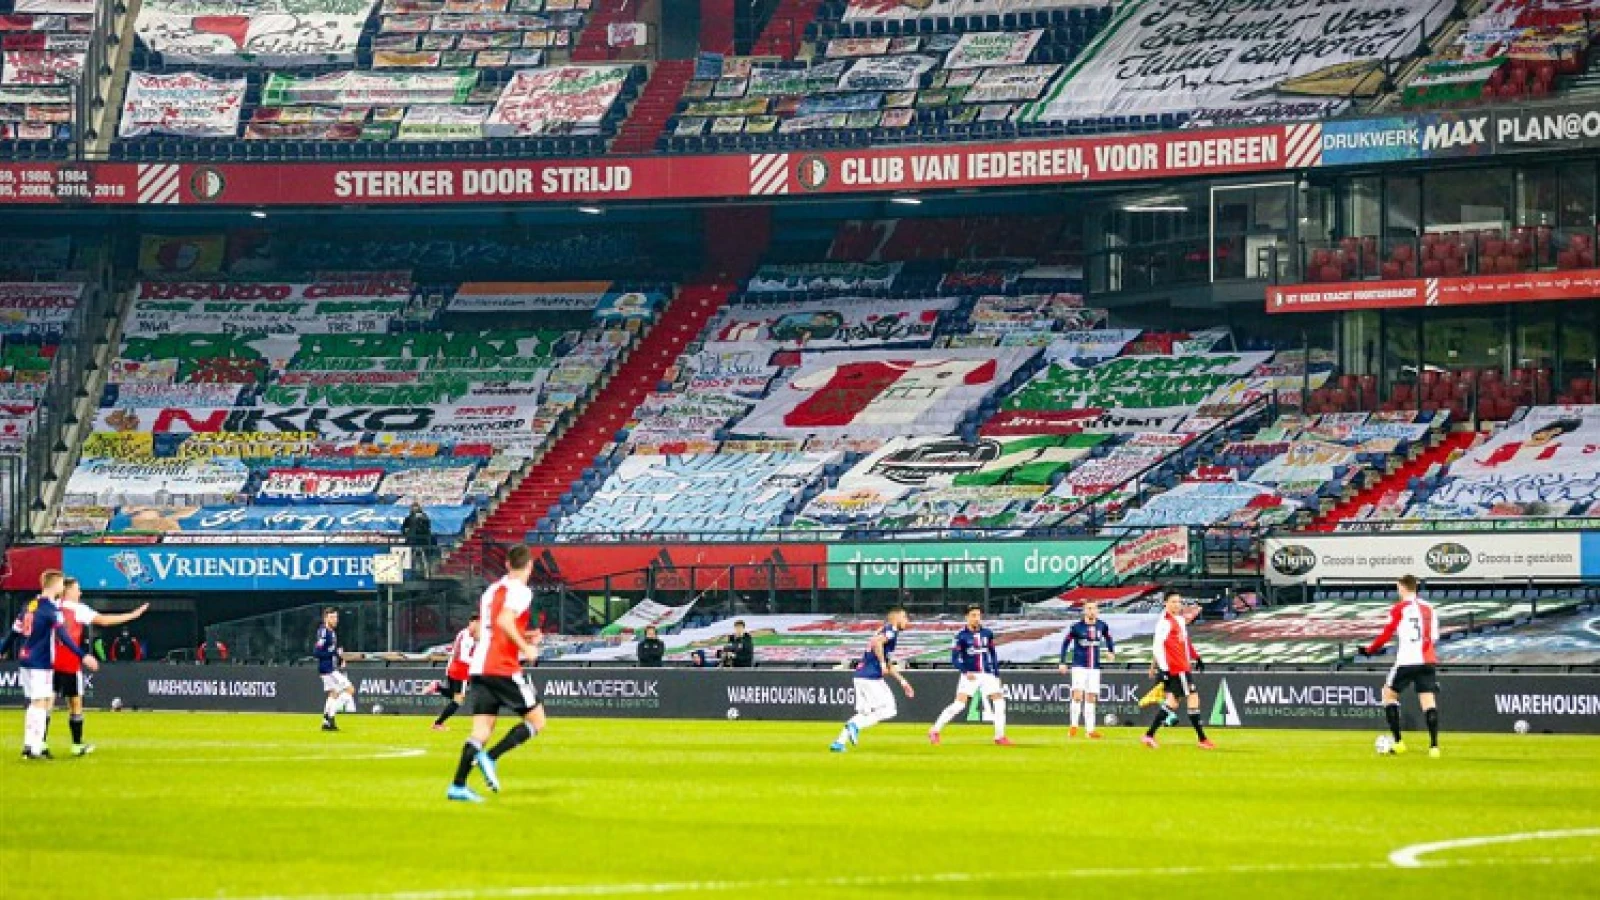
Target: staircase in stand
pixel 656 104
pixel 1398 480
pixel 786 29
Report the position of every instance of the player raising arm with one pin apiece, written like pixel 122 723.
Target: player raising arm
pixel 874 700
pixel 497 680
pixel 69 668
pixel 43 637
pixel 458 671
pixel 1416 623
pixel 330 665
pixel 974 657
pixel 1088 643
pixel 1173 658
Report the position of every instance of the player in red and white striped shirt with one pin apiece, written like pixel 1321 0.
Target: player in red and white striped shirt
pixel 1173 659
pixel 1416 624
pixel 458 670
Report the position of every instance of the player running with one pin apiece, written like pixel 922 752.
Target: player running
pixel 458 671
pixel 330 665
pixel 973 654
pixel 497 680
pixel 1088 643
pixel 68 677
pixel 43 637
pixel 1417 625
pixel 874 700
pixel 1173 657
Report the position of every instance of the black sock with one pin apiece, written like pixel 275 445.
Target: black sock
pixel 1432 716
pixel 1391 711
pixel 45 739
pixel 516 737
pixel 1157 722
pixel 449 710
pixel 76 723
pixel 469 750
pixel 1194 719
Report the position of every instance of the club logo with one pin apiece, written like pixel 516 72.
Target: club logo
pixel 812 173
pixel 206 184
pixel 1293 560
pixel 1448 559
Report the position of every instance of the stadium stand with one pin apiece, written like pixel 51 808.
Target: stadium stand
pixel 327 406
pixel 44 48
pixel 1510 50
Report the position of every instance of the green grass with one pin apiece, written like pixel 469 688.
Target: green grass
pixel 189 805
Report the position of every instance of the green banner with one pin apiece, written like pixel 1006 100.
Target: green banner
pixel 1009 564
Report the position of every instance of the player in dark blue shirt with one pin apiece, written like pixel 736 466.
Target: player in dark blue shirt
pixel 1087 645
pixel 973 655
pixel 330 665
pixel 874 700
pixel 44 636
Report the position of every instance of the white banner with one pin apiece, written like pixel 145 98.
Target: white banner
pixel 430 486
pixel 1011 84
pixel 302 485
pixel 1089 345
pixel 539 101
pixel 109 482
pixel 1549 439
pixel 981 49
pixel 882 394
pixel 831 324
pixel 528 296
pixel 183 103
pixel 1468 556
pixel 258 34
pixel 1197 57
pixel 886 73
pixel 57 7
pixel 33 306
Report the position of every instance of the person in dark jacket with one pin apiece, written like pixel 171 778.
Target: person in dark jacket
pixel 740 651
pixel 126 648
pixel 417 529
pixel 651 649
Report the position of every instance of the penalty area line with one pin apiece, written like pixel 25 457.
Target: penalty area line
pixel 908 880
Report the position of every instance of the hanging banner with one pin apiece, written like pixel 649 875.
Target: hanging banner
pixel 1262 63
pixel 1546 440
pixel 619 306
pixel 831 324
pixel 375 286
pixel 1134 382
pixel 831 276
pixel 143 395
pixel 183 103
pixel 36 307
pixel 311 518
pixel 1011 84
pixel 253 33
pixel 527 296
pixel 887 73
pixel 560 99
pixel 359 88
pixel 982 49
pixel 1152 549
pixel 113 482
pixel 1522 287
pixel 198 254
pixel 489 423
pixel 302 485
pixel 876 394
pixel 445 486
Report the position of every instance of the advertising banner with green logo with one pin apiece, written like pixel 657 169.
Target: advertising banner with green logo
pixel 969 564
pixel 1434 556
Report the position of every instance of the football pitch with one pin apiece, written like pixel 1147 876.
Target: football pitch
pixel 244 806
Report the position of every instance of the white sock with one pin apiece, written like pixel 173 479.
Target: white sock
pixel 948 715
pixel 1077 713
pixel 330 707
pixel 33 729
pixel 999 717
pixel 1088 713
pixel 348 704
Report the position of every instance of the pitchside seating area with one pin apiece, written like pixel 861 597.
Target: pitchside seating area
pixel 318 406
pixel 1450 254
pixel 378 78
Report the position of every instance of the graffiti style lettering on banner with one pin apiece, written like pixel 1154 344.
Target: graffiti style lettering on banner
pixel 302 485
pixel 847 322
pixel 311 518
pixel 1152 549
pixel 483 422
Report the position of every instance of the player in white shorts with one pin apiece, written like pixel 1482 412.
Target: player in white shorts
pixel 874 701
pixel 973 654
pixel 1088 643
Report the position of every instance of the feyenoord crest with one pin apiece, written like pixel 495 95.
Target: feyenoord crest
pixel 206 184
pixel 812 173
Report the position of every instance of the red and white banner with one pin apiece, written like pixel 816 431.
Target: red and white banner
pixel 1068 161
pixel 1522 287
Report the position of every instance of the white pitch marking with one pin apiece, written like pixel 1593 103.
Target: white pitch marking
pixel 396 753
pixel 1411 857
pixel 871 881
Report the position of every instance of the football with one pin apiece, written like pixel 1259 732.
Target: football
pixel 1384 745
pixel 377 709
pixel 733 712
pixel 1521 726
pixel 116 704
pixel 1111 720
